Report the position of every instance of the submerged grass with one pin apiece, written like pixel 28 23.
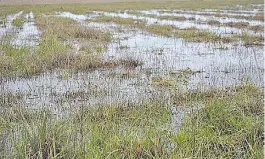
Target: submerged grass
pixel 134 131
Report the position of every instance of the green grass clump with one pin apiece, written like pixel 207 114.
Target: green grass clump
pixel 18 22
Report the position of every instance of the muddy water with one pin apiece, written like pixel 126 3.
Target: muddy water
pixel 217 65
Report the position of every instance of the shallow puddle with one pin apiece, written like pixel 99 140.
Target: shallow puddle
pixel 7 27
pixel 29 36
pixel 78 17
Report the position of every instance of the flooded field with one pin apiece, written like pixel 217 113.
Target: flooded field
pixel 132 82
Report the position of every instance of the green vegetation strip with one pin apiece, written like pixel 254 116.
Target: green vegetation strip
pixel 229 126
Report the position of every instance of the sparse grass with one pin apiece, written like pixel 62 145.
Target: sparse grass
pixel 237 24
pixel 167 30
pixel 214 22
pixel 124 21
pixel 140 131
pixel 195 35
pixel 250 40
pixel 259 16
pixel 165 82
pixel 189 34
pixel 181 18
pixel 257 28
pixel 124 47
pixel 3 21
pixel 125 74
pixel 57 27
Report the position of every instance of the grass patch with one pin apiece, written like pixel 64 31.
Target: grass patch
pixel 123 21
pixel 18 22
pixel 229 126
pixel 189 34
pixel 250 40
pixel 175 18
pixel 57 27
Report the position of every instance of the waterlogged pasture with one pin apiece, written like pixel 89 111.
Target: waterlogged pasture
pixel 132 82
